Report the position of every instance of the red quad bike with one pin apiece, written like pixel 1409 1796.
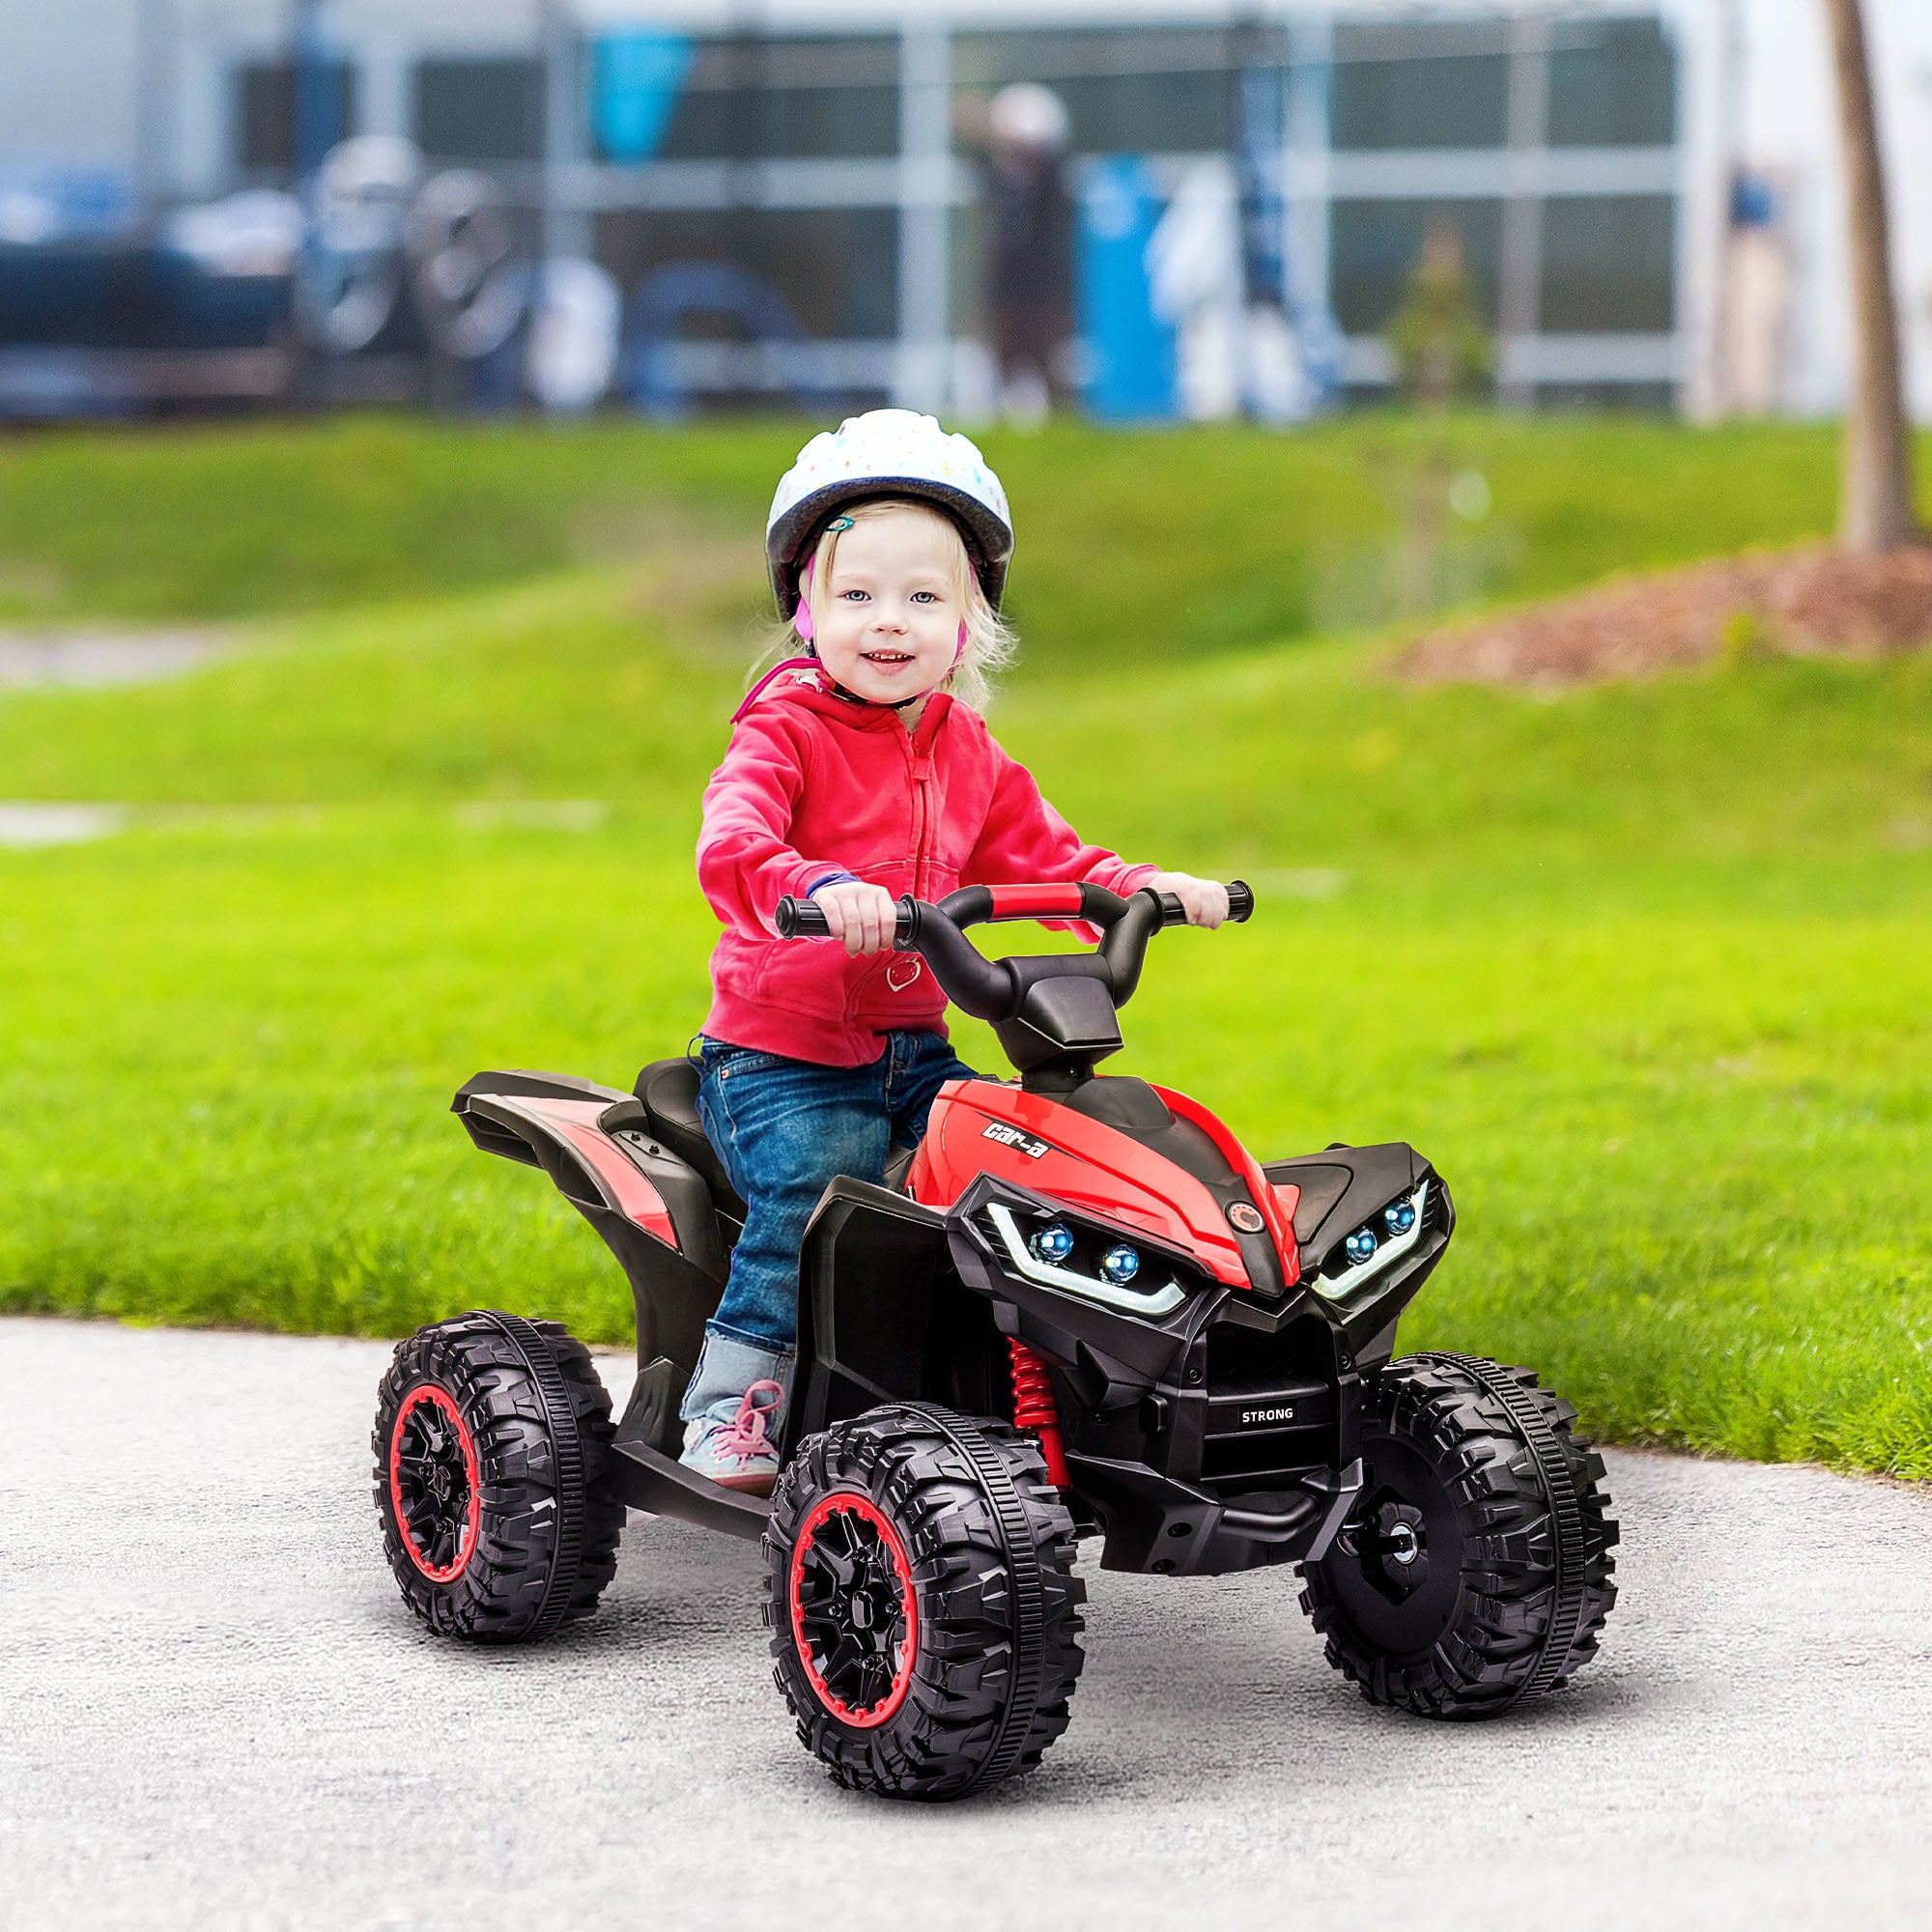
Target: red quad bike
pixel 1079 1308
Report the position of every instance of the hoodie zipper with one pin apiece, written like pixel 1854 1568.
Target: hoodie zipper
pixel 920 763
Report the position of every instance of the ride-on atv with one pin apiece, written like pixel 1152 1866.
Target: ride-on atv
pixel 1078 1308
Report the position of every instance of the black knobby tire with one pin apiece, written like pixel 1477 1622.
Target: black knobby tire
pixel 933 1649
pixel 1475 1569
pixel 491 1477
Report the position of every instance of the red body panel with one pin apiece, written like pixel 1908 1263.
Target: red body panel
pixel 1280 1225
pixel 575 1122
pixel 1088 1164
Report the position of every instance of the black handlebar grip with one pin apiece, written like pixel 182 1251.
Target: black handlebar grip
pixel 1241 904
pixel 800 918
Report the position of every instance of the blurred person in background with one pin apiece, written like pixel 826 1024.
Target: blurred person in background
pixel 1022 132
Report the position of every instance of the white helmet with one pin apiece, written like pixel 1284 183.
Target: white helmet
pixel 888 453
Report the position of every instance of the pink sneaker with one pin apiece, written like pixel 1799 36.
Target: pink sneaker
pixel 731 1444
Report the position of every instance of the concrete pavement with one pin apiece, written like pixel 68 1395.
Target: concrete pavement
pixel 215 1710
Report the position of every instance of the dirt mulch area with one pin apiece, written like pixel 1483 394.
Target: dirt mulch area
pixel 1807 602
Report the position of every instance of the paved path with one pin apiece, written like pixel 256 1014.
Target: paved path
pixel 215 1711
pixel 94 659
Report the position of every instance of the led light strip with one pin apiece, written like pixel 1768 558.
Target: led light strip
pixel 1134 1300
pixel 1339 1287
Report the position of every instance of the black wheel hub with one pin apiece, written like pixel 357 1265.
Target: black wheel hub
pixel 850 1594
pixel 1396 1568
pixel 432 1485
pixel 1394 1549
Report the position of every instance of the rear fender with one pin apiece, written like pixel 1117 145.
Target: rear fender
pixel 650 1209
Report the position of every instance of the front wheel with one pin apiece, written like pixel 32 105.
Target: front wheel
pixel 1475 1569
pixel 922 1601
pixel 492 1448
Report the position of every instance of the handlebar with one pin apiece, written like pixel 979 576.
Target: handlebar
pixel 988 989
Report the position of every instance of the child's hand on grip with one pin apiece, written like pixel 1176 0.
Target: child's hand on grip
pixel 865 917
pixel 1205 900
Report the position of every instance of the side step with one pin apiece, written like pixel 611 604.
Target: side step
pixel 647 1479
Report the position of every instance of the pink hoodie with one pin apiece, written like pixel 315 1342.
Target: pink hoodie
pixel 812 785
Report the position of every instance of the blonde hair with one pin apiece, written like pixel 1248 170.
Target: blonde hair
pixel 990 641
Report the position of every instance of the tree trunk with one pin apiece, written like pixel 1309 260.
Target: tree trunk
pixel 1875 510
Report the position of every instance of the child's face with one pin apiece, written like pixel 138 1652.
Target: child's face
pixel 887 619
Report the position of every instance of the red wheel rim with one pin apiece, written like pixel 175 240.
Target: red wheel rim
pixel 856 1639
pixel 445 1492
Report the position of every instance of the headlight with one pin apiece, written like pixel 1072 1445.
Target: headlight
pixel 1053 1243
pixel 1104 1280
pixel 1368 1254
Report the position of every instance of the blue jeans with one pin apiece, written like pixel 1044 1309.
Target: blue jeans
pixel 784 1129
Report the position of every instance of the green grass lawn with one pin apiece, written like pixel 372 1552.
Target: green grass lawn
pixel 1647 971
pixel 1143 545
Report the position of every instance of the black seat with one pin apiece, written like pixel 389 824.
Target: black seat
pixel 668 1091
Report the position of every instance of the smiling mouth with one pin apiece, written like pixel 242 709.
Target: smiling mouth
pixel 887 660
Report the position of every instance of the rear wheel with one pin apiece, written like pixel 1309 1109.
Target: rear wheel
pixel 1475 1570
pixel 922 1601
pixel 490 1444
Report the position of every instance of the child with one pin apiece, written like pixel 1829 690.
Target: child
pixel 854 774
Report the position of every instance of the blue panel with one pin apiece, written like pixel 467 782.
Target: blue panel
pixel 637 80
pixel 1128 350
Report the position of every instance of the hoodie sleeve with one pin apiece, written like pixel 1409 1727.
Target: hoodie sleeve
pixel 1025 840
pixel 746 861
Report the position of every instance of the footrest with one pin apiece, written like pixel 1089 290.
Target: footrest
pixel 647 1479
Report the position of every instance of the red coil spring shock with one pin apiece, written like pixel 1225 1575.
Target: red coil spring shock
pixel 1034 1409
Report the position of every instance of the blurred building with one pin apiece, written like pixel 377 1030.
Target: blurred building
pixel 1647 194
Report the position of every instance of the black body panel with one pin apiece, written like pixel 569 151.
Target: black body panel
pixel 884 1316
pixel 1344 1186
pixel 649 1479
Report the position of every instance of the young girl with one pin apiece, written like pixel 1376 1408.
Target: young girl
pixel 855 773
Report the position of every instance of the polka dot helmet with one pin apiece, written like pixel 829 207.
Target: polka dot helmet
pixel 888 453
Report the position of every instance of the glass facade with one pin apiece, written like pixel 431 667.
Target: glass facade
pixel 1374 245
pixel 1612 84
pixel 264 112
pixel 1153 90
pixel 1427 120
pixel 792 99
pixel 1452 100
pixel 480 110
pixel 1607 265
pixel 835 269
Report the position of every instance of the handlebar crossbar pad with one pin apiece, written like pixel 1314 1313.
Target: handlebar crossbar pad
pixel 978 905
